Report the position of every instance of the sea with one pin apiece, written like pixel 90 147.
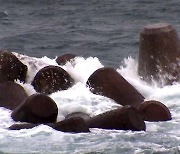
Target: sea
pixel 102 33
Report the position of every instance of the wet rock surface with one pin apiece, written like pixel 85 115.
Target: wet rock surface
pixel 51 79
pixel 37 108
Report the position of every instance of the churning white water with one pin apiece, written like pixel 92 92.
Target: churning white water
pixel 159 137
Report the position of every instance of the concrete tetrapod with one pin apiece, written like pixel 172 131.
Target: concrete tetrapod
pixel 62 60
pixel 51 79
pixel 83 115
pixel 108 82
pixel 72 125
pixel 154 111
pixel 159 54
pixel 11 95
pixel 37 108
pixel 11 68
pixel 125 118
pixel 23 126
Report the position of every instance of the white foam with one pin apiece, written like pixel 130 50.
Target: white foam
pixel 80 99
pixel 81 69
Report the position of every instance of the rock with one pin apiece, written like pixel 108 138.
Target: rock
pixel 73 124
pixel 11 68
pixel 11 95
pixel 51 79
pixel 159 54
pixel 62 60
pixel 108 82
pixel 125 118
pixel 154 111
pixel 37 108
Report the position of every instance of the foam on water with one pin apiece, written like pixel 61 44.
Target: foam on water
pixel 80 69
pixel 80 99
pixel 159 137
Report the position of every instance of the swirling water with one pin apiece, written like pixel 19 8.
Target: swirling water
pixel 105 33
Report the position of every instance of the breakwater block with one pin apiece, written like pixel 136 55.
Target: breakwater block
pixel 37 108
pixel 51 79
pixel 11 68
pixel 62 60
pixel 22 126
pixel 83 115
pixel 73 125
pixel 108 82
pixel 154 111
pixel 125 118
pixel 11 95
pixel 159 54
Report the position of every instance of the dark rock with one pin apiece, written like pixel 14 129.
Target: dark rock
pixel 51 79
pixel 108 82
pixel 154 111
pixel 11 95
pixel 159 54
pixel 37 108
pixel 62 60
pixel 11 68
pixel 125 118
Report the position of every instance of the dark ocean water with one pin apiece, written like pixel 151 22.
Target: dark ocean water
pixel 107 29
